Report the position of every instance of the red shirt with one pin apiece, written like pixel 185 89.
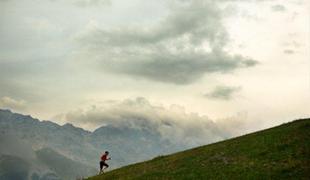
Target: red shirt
pixel 104 157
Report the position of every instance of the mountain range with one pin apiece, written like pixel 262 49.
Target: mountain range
pixel 44 150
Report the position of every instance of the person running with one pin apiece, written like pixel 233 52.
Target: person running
pixel 104 158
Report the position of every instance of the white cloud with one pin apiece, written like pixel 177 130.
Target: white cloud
pixel 173 123
pixel 10 103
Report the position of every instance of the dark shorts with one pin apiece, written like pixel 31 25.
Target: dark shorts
pixel 102 163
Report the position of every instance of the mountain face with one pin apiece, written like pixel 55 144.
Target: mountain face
pixel 71 149
pixel 19 161
pixel 63 166
pixel 12 167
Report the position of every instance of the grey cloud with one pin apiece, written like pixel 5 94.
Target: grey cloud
pixel 183 68
pixel 223 92
pixel 292 43
pixel 289 51
pixel 247 0
pixel 172 51
pixel 278 8
pixel 87 3
pixel 198 21
pixel 171 123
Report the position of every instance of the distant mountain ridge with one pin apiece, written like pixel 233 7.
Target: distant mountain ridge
pixel 127 145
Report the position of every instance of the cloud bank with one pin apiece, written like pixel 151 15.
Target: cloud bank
pixel 173 123
pixel 179 49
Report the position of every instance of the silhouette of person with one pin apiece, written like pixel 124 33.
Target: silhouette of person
pixel 104 158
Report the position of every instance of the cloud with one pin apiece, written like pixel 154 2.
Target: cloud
pixel 196 21
pixel 289 51
pixel 180 49
pixel 88 3
pixel 182 68
pixel 278 8
pixel 7 102
pixel 223 92
pixel 292 43
pixel 173 123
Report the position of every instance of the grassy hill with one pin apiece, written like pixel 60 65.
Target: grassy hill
pixel 282 152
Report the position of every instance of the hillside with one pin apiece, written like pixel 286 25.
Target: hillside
pixel 282 152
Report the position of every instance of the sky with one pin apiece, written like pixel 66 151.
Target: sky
pixel 93 62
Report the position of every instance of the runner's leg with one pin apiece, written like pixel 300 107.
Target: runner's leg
pixel 101 166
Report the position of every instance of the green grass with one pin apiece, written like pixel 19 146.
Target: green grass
pixel 282 152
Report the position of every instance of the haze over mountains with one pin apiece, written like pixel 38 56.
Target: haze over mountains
pixel 46 150
pixel 43 150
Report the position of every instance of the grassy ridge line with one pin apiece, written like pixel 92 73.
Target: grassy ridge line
pixel 282 152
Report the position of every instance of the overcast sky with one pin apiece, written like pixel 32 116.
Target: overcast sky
pixel 212 58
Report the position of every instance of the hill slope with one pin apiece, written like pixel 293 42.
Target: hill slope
pixel 276 153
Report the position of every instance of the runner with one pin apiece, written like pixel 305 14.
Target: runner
pixel 104 158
